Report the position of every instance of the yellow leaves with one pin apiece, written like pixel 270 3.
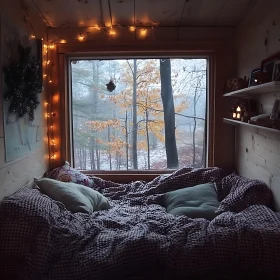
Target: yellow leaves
pixel 142 145
pixel 116 145
pixel 181 107
pixel 101 125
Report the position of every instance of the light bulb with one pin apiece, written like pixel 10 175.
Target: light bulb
pixel 132 28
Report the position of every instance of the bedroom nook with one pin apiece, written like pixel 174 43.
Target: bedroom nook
pixel 140 139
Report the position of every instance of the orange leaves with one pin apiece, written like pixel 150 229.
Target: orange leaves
pixel 101 125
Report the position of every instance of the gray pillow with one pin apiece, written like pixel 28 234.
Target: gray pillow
pixel 75 197
pixel 200 201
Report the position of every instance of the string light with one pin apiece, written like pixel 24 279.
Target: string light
pixel 81 37
pixel 132 28
pixel 62 41
pixel 112 32
pixel 143 32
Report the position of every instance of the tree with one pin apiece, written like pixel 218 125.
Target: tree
pixel 169 113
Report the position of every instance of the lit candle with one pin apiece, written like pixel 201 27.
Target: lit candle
pixel 234 115
pixel 238 110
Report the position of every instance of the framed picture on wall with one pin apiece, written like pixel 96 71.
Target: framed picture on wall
pixel 276 71
pixel 267 66
pixel 253 81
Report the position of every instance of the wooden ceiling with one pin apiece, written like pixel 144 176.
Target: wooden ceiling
pixel 84 13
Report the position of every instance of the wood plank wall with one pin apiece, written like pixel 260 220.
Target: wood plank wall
pixel 257 150
pixel 19 172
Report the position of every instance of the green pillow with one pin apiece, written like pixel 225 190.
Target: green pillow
pixel 75 197
pixel 200 201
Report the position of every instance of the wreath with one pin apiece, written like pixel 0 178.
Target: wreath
pixel 24 82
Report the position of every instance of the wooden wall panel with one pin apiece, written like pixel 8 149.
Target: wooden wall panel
pixel 257 150
pixel 19 172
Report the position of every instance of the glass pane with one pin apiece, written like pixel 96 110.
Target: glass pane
pixel 139 113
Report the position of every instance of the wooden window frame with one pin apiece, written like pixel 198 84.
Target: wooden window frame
pixel 213 51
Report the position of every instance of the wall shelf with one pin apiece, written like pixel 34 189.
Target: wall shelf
pixel 237 123
pixel 255 90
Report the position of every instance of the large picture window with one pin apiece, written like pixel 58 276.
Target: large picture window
pixel 139 113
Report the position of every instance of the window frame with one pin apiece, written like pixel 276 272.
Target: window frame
pixel 214 51
pixel 132 171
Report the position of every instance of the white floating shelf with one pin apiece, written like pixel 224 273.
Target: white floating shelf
pixel 236 123
pixel 254 90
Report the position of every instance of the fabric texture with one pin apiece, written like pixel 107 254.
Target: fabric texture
pixel 75 197
pixel 40 239
pixel 66 173
pixel 200 201
pixel 243 193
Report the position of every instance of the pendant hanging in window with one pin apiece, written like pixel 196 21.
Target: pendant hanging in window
pixel 111 86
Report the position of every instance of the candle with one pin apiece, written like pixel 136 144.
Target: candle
pixel 238 115
pixel 234 115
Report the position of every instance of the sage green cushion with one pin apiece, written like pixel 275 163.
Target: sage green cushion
pixel 200 201
pixel 75 197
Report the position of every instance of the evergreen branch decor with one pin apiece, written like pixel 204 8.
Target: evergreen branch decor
pixel 23 84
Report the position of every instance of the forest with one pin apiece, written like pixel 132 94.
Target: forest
pixel 154 116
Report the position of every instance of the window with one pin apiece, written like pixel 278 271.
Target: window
pixel 139 113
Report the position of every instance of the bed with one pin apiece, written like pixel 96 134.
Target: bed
pixel 136 238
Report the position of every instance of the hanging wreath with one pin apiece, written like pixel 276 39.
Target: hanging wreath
pixel 23 80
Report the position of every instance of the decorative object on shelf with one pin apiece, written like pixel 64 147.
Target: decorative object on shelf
pixel 275 110
pixel 265 120
pixel 236 83
pixel 111 86
pixel 243 109
pixel 276 71
pixel 253 81
pixel 262 78
pixel 24 82
pixel 267 66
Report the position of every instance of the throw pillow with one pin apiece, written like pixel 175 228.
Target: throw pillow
pixel 66 173
pixel 200 201
pixel 75 197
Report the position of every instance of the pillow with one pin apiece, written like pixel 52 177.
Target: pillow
pixel 75 197
pixel 66 173
pixel 200 201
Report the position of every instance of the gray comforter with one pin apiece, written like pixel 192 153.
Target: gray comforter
pixel 40 239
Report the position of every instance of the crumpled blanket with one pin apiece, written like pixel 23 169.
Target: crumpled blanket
pixel 40 239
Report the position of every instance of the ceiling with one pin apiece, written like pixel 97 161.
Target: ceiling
pixel 85 13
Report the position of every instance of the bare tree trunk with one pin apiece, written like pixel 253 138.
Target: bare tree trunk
pixel 126 139
pixel 97 152
pixel 92 154
pixel 169 113
pixel 193 140
pixel 147 137
pixel 109 150
pixel 134 116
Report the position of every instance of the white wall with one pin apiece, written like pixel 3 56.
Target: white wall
pixel 258 151
pixel 19 172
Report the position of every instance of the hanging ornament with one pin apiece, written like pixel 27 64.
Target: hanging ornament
pixel 23 80
pixel 111 86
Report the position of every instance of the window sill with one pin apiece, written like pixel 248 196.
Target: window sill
pixel 127 176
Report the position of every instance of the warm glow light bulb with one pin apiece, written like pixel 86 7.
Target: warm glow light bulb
pixel 238 109
pixel 143 32
pixel 81 38
pixel 50 81
pixel 112 32
pixel 62 41
pixel 132 28
pixel 52 46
